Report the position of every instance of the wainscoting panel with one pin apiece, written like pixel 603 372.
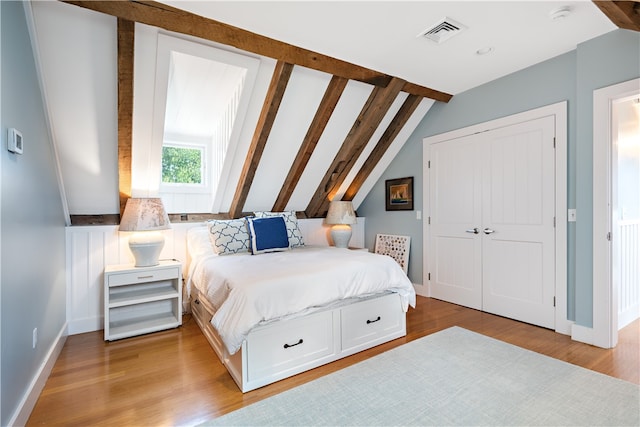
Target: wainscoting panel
pixel 91 248
pixel 629 289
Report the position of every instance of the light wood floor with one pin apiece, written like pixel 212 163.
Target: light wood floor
pixel 174 377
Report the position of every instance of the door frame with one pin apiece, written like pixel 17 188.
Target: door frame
pixel 605 294
pixel 559 112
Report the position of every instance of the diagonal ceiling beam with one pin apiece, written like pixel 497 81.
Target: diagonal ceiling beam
pixel 365 125
pixel 126 38
pixel 402 116
pixel 270 108
pixel 624 14
pixel 180 21
pixel 320 120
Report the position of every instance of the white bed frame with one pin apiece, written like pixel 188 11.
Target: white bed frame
pixel 287 347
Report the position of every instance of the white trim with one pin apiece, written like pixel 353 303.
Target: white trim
pixel 582 334
pixel 559 111
pixel 605 305
pixel 28 401
pixel 28 11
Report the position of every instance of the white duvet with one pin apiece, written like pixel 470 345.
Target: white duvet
pixel 247 290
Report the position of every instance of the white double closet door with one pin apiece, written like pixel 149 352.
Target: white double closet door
pixel 492 213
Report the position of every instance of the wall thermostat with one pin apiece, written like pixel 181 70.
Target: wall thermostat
pixel 14 141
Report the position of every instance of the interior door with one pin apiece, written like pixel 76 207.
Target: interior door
pixel 491 232
pixel 455 217
pixel 518 208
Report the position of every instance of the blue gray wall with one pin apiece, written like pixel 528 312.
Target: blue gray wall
pixel 603 61
pixel 31 220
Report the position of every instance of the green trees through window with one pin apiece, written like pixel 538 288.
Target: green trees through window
pixel 181 165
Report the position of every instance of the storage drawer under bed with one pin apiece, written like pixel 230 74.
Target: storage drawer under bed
pixel 288 345
pixel 371 320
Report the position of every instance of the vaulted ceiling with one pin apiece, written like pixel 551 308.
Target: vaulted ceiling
pixel 385 117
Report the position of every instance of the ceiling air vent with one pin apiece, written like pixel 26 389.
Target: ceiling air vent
pixel 443 30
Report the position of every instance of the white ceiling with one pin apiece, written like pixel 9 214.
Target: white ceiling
pixel 383 35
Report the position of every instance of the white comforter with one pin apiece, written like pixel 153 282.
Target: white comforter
pixel 247 290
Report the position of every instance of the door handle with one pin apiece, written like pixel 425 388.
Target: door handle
pixel 488 231
pixel 472 230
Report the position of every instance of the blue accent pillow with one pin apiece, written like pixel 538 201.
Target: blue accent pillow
pixel 291 221
pixel 267 235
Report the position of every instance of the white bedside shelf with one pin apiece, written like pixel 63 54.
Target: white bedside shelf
pixel 140 300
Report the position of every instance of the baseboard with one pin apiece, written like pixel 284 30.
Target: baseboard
pixel 22 413
pixel 88 324
pixel 421 290
pixel 582 334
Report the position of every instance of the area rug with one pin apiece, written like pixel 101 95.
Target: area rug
pixel 453 377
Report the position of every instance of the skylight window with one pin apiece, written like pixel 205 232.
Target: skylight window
pixel 201 96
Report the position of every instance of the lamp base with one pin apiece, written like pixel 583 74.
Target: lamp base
pixel 341 234
pixel 146 247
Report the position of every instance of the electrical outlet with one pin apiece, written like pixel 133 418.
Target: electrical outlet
pixel 35 337
pixel 571 215
pixel 418 215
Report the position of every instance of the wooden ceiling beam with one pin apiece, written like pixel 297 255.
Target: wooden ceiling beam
pixel 624 14
pixel 399 120
pixel 320 120
pixel 365 125
pixel 180 21
pixel 276 90
pixel 126 39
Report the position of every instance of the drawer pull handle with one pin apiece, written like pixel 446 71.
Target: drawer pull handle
pixel 373 321
pixel 293 345
pixel 145 277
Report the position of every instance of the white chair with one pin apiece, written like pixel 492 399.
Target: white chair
pixel 397 247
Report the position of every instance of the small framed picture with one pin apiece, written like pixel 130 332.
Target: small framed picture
pixel 399 194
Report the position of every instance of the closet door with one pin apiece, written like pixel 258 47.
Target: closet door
pixel 455 216
pixel 518 243
pixel 491 235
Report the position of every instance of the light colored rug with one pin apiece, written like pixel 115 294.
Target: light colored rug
pixel 453 377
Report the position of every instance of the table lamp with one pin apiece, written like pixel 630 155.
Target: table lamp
pixel 145 217
pixel 341 215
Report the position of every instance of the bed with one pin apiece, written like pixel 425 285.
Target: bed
pixel 273 312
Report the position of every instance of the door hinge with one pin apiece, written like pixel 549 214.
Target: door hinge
pixel 429 276
pixel 554 301
pixel 429 220
pixel 554 142
pixel 609 236
pixel 554 222
pixel 429 164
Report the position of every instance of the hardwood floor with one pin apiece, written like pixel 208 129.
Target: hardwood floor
pixel 175 378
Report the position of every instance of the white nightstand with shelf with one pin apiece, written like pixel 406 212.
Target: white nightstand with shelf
pixel 139 300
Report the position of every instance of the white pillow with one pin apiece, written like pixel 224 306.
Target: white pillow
pixel 198 242
pixel 291 221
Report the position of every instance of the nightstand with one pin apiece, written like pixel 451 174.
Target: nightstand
pixel 139 300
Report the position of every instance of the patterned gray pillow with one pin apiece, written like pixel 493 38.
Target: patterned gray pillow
pixel 291 221
pixel 229 236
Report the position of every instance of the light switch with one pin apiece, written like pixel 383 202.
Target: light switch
pixel 418 214
pixel 14 141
